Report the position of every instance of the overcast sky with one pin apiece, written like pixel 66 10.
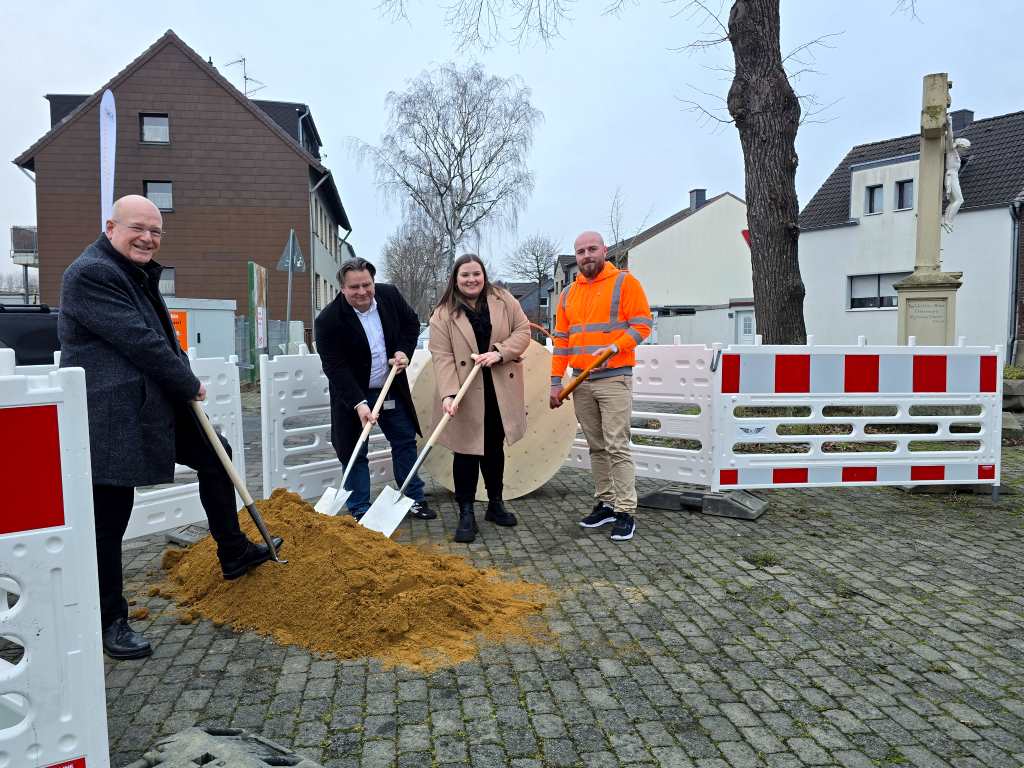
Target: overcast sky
pixel 611 89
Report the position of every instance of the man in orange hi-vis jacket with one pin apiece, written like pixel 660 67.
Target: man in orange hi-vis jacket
pixel 605 307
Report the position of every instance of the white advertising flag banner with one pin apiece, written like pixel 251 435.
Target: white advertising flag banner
pixel 108 148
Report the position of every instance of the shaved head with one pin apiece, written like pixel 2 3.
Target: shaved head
pixel 590 254
pixel 135 228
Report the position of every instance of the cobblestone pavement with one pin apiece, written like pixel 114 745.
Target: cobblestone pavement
pixel 854 628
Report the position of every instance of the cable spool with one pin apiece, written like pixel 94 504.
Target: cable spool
pixel 532 461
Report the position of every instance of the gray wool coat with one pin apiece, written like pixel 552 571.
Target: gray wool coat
pixel 136 374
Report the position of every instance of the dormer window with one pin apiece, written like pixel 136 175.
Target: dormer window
pixel 873 199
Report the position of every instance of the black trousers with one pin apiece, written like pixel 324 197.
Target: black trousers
pixel 112 507
pixel 467 467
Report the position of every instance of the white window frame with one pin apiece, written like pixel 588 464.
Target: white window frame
pixel 880 278
pixel 867 199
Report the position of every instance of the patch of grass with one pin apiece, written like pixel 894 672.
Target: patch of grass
pixel 1013 372
pixel 845 591
pixel 894 757
pixel 764 559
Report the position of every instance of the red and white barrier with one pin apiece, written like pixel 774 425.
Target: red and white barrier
pixel 858 415
pixel 52 700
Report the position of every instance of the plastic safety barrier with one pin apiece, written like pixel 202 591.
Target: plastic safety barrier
pixel 857 415
pixel 160 509
pixel 295 422
pixel 52 705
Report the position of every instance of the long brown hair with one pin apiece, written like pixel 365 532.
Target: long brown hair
pixel 452 298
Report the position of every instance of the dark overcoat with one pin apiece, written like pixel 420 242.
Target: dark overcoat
pixel 345 354
pixel 114 324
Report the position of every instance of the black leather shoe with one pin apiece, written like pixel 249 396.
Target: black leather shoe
pixel 120 641
pixel 422 511
pixel 466 532
pixel 254 555
pixel 497 514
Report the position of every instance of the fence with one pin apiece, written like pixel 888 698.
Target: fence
pixel 160 509
pixel 52 709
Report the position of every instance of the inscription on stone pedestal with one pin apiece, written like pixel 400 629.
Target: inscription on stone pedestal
pixel 927 320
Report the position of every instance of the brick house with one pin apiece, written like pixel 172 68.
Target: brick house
pixel 232 175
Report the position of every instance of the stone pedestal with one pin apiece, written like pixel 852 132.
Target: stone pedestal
pixel 927 307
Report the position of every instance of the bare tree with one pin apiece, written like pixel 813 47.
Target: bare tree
pixel 763 106
pixel 620 240
pixel 414 262
pixel 532 262
pixel 456 150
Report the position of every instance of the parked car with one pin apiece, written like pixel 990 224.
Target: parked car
pixel 31 331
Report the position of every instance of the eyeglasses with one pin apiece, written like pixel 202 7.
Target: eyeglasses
pixel 156 234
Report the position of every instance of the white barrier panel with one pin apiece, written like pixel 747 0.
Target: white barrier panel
pixel 673 394
pixel 178 505
pixel 295 422
pixel 857 415
pixel 52 702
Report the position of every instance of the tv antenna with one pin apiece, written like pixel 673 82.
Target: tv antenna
pixel 246 79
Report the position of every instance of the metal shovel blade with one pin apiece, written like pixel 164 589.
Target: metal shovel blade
pixel 332 501
pixel 387 511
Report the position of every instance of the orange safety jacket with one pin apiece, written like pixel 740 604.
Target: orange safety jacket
pixel 594 314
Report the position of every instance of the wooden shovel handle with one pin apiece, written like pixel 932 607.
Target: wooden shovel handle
pixel 368 426
pixel 218 448
pixel 585 373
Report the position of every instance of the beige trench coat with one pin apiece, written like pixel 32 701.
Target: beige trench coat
pixel 451 343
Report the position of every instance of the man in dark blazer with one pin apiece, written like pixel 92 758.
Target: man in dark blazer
pixel 359 335
pixel 114 324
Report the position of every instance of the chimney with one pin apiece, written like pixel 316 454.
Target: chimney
pixel 697 198
pixel 961 119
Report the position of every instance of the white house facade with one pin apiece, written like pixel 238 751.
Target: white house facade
pixel 858 236
pixel 695 269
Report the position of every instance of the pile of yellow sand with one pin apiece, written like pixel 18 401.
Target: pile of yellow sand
pixel 349 592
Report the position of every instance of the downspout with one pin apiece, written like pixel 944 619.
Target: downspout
pixel 1015 256
pixel 312 253
pixel 24 268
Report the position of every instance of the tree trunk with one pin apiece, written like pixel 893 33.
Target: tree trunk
pixel 767 114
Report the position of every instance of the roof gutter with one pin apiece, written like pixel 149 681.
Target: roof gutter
pixel 1015 256
pixel 312 249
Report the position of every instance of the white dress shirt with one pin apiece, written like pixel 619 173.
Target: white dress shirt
pixel 370 320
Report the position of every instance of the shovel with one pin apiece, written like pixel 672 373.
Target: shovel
pixel 390 508
pixel 218 448
pixel 598 361
pixel 334 499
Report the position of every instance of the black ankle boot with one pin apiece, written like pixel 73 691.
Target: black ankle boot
pixel 497 514
pixel 466 532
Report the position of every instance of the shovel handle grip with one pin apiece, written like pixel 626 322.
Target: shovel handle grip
pixel 585 373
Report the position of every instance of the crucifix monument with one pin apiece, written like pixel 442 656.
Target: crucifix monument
pixel 927 298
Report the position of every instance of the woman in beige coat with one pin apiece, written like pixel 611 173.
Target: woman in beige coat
pixel 478 323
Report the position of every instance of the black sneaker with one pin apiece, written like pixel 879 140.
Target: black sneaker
pixel 602 513
pixel 624 527
pixel 422 511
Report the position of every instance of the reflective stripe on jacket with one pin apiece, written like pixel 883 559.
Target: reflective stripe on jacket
pixel 594 314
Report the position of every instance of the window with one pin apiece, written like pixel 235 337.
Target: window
pixel 874 291
pixel 544 301
pixel 904 195
pixel 167 282
pixel 154 129
pixel 873 199
pixel 160 193
pixel 748 325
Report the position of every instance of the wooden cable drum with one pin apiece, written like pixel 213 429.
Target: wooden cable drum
pixel 533 460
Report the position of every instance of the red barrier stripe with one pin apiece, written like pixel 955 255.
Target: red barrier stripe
pixel 987 375
pixel 792 373
pixel 730 374
pixel 986 471
pixel 860 373
pixel 30 469
pixel 860 474
pixel 729 477
pixel 929 373
pixel 76 763
pixel 928 473
pixel 789 475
